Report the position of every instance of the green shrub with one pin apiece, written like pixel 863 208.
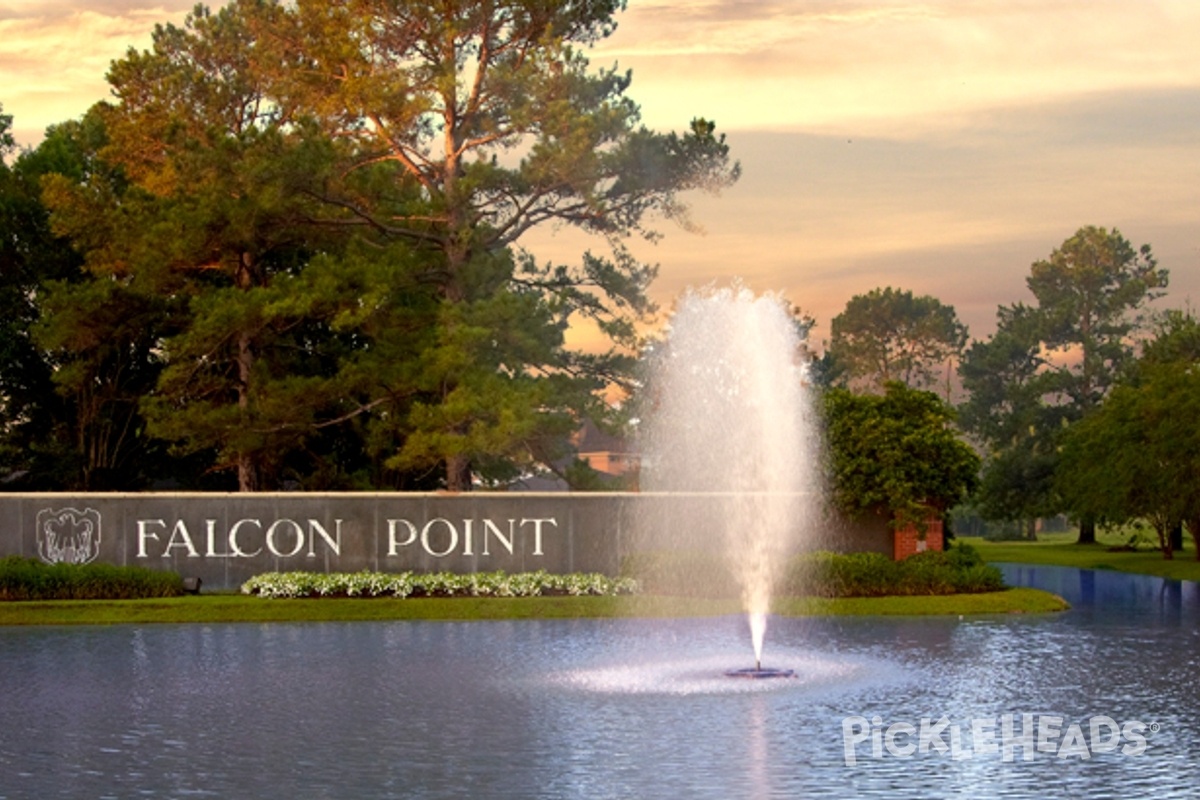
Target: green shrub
pixel 958 570
pixel 979 578
pixel 827 574
pixel 433 584
pixel 823 574
pixel 30 579
pixel 963 556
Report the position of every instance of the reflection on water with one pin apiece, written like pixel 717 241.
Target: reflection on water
pixel 1113 596
pixel 587 709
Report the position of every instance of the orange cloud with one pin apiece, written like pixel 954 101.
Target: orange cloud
pixel 891 67
pixel 937 146
pixel 53 57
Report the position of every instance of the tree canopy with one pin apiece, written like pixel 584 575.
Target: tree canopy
pixel 207 215
pixel 7 143
pixel 301 223
pixel 67 416
pixel 1050 364
pixel 1091 295
pixel 891 335
pixel 478 121
pixel 1138 455
pixel 897 454
pixel 1007 414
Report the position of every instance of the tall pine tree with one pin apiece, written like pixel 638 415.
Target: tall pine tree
pixel 488 120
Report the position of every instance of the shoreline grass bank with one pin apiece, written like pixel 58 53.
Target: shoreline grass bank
pixel 223 608
pixel 1060 549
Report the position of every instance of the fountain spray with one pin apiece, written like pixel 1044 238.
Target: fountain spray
pixel 733 426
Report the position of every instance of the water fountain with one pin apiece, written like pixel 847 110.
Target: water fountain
pixel 731 435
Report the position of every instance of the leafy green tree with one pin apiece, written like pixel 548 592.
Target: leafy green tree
pixel 504 420
pixel 69 407
pixel 477 122
pixel 310 213
pixel 213 208
pixel 1175 344
pixel 891 335
pixel 24 377
pixel 1054 362
pixel 897 454
pixel 7 143
pixel 27 399
pixel 1138 454
pixel 1005 412
pixel 1003 378
pixel 1017 484
pixel 1091 294
pixel 1175 339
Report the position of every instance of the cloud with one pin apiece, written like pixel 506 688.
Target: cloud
pixel 937 146
pixel 54 56
pixel 894 66
pixel 958 215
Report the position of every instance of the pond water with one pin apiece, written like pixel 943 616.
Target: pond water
pixel 616 708
pixel 1114 596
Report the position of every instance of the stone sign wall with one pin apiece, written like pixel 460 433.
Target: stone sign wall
pixel 224 539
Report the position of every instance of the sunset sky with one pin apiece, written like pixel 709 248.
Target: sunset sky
pixel 936 146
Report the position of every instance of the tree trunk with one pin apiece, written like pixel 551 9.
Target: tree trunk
pixel 458 473
pixel 1087 530
pixel 1031 529
pixel 247 473
pixel 457 254
pixel 247 470
pixel 1176 535
pixel 458 466
pixel 246 466
pixel 1193 525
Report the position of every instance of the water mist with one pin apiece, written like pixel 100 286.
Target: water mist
pixel 732 435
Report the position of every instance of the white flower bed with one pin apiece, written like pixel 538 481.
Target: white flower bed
pixel 435 584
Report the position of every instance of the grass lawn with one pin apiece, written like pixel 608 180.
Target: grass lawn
pixel 1010 601
pixel 1060 549
pixel 218 608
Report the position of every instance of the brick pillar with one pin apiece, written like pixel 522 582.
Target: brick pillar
pixel 907 542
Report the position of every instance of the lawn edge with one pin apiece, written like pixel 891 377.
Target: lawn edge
pixel 230 608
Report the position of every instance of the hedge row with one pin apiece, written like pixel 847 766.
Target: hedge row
pixel 31 579
pixel 959 570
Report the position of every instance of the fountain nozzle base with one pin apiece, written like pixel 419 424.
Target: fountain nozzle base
pixel 759 673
